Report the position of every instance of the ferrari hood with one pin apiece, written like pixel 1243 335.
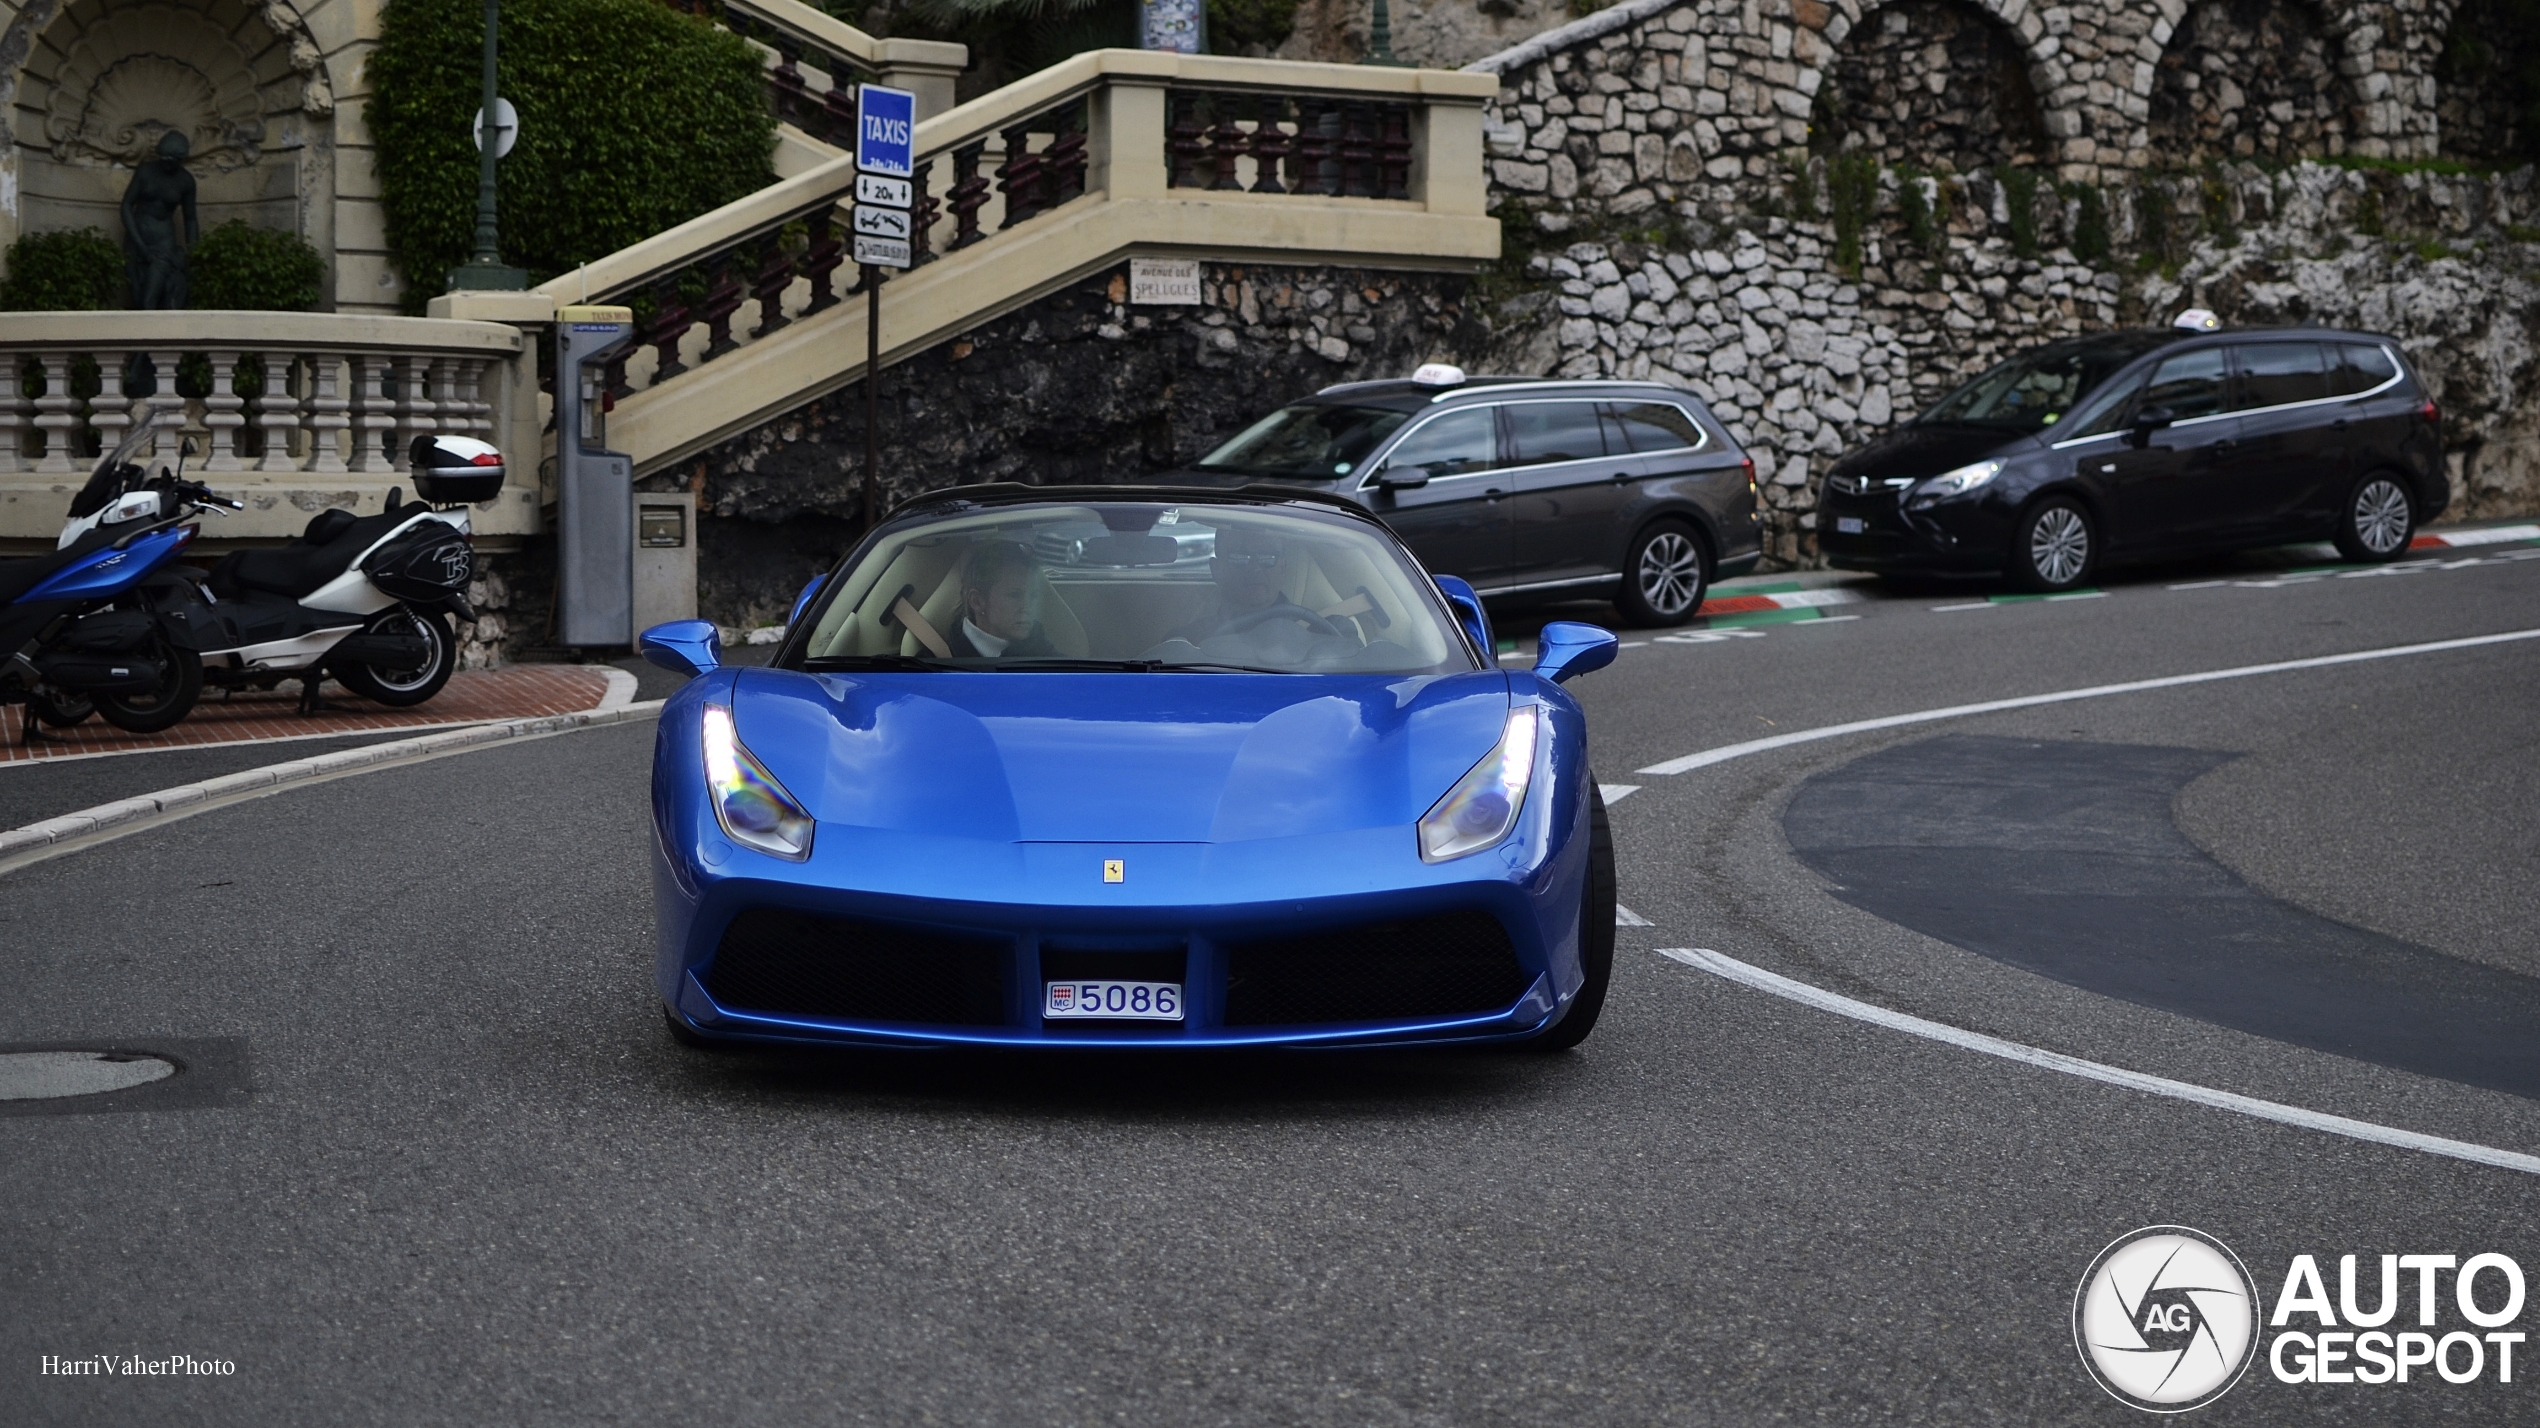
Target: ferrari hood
pixel 1114 758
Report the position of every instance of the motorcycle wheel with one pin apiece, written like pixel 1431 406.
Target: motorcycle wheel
pixel 59 709
pixel 398 688
pixel 163 706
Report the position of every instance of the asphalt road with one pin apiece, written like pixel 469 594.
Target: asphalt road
pixel 473 1182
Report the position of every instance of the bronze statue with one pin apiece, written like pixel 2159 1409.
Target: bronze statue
pixel 154 254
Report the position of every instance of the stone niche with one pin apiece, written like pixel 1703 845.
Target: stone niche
pixel 104 79
pixel 2251 79
pixel 1938 83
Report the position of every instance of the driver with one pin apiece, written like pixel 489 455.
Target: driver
pixel 1000 606
pixel 1250 569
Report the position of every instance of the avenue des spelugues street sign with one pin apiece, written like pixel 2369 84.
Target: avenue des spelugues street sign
pixel 886 161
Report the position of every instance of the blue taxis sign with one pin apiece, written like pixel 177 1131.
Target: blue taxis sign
pixel 886 131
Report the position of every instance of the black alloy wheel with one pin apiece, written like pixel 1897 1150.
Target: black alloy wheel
pixel 2379 520
pixel 180 684
pixel 59 708
pixel 1596 936
pixel 398 688
pixel 2055 547
pixel 1666 572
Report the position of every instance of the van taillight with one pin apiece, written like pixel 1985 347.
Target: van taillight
pixel 1749 463
pixel 2433 414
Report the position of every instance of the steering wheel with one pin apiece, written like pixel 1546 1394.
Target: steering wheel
pixel 1282 610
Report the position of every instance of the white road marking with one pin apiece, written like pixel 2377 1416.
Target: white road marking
pixel 2492 535
pixel 1821 620
pixel 1780 986
pixel 1617 792
pixel 1710 637
pixel 2081 595
pixel 1978 605
pixel 1625 917
pixel 1689 762
pixel 621 690
pixel 1809 599
pixel 2200 585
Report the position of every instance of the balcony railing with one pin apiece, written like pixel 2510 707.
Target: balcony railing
pixel 272 399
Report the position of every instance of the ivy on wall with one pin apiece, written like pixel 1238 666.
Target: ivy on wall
pixel 633 118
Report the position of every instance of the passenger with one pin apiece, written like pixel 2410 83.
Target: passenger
pixel 1000 606
pixel 1249 570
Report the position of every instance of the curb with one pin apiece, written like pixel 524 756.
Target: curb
pixel 26 844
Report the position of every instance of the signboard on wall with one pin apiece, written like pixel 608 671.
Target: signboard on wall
pixel 1161 282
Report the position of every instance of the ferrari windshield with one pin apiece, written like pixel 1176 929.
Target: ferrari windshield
pixel 1135 585
pixel 2035 390
pixel 1306 442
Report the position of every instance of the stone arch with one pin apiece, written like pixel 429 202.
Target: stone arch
pixel 2252 79
pixel 2485 108
pixel 1947 83
pixel 90 85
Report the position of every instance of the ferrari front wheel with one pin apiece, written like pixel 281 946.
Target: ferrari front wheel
pixel 1596 936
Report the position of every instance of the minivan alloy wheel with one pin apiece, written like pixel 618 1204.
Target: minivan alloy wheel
pixel 2059 545
pixel 1669 576
pixel 2381 516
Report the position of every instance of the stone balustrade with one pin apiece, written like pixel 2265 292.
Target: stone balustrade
pixel 284 408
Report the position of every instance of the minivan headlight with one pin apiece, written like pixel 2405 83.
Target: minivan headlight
pixel 754 809
pixel 1954 483
pixel 1483 805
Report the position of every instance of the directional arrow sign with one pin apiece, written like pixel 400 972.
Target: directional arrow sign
pixel 883 192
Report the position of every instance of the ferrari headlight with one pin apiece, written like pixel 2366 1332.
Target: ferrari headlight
pixel 754 809
pixel 1482 807
pixel 1954 483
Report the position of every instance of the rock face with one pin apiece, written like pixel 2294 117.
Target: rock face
pixel 1653 174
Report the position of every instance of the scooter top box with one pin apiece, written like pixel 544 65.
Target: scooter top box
pixel 455 470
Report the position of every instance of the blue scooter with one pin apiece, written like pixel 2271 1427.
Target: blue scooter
pixel 65 644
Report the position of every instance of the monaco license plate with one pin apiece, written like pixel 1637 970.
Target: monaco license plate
pixel 1849 525
pixel 1112 1001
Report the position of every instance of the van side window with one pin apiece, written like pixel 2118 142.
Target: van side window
pixel 1554 431
pixel 2102 412
pixel 2275 374
pixel 1453 443
pixel 2189 384
pixel 2360 368
pixel 1653 426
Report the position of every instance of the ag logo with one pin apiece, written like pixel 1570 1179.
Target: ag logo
pixel 2166 1319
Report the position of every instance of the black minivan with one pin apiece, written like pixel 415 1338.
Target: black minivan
pixel 2138 444
pixel 1533 490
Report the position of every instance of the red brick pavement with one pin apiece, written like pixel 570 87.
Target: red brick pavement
pixel 521 691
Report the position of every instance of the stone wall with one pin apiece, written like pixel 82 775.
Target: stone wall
pixel 1669 217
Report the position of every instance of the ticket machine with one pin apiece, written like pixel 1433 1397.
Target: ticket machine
pixel 595 487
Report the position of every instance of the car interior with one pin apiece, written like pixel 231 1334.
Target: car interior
pixel 1119 597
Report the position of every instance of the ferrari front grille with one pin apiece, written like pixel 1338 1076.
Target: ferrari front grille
pixel 784 963
pixel 1459 964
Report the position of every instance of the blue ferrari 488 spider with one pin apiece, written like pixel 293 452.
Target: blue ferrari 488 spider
pixel 1122 766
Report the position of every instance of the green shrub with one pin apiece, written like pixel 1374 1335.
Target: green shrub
pixel 2019 198
pixel 1922 225
pixel 2091 239
pixel 633 119
pixel 1852 190
pixel 80 270
pixel 254 269
pixel 1239 26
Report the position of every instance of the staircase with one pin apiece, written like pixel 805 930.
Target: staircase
pixel 751 310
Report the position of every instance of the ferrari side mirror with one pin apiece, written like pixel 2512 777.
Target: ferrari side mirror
pixel 683 646
pixel 1566 649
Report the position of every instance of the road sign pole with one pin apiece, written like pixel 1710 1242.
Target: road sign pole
pixel 872 390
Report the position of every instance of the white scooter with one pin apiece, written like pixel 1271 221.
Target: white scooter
pixel 362 598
